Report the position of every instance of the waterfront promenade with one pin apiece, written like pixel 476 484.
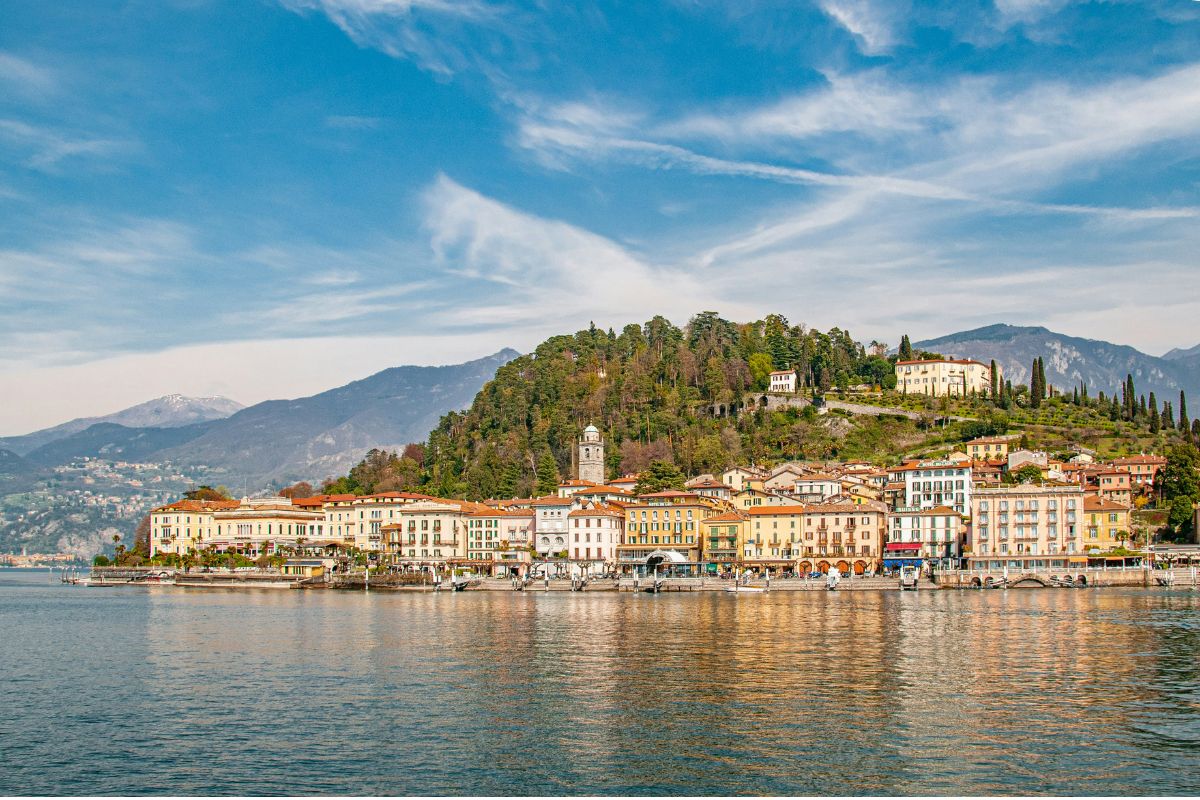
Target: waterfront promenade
pixel 1089 578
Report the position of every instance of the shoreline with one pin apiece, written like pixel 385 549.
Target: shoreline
pixel 1179 578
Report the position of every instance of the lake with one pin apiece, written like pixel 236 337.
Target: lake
pixel 162 690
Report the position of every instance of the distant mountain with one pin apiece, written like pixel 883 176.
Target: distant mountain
pixel 1180 354
pixel 114 442
pixel 326 434
pixel 1070 359
pixel 286 440
pixel 172 411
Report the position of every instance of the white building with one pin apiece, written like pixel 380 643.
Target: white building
pixel 930 484
pixel 784 381
pixel 550 517
pixel 946 377
pixel 816 488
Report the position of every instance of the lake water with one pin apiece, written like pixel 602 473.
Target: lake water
pixel 174 691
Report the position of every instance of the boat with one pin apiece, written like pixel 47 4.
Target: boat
pixel 909 575
pixel 745 590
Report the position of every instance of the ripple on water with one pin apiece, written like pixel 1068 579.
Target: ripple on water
pixel 175 692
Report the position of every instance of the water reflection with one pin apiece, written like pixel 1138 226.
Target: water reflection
pixel 175 691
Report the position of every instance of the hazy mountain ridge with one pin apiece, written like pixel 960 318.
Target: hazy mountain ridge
pixel 170 411
pixel 286 440
pixel 1071 359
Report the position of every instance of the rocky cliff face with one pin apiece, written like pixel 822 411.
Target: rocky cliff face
pixel 1070 360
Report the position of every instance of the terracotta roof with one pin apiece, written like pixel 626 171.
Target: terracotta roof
pixel 670 493
pixel 728 516
pixel 198 505
pixel 942 361
pixel 1093 502
pixel 552 501
pixel 764 511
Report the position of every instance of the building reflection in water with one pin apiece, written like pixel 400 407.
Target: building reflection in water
pixel 1069 691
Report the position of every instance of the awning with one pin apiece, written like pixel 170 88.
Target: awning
pixel 915 546
pixel 894 563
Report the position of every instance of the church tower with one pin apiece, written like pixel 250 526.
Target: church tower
pixel 591 456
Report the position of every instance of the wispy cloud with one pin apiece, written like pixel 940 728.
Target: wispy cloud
pixel 46 149
pixel 26 77
pixel 871 23
pixel 421 30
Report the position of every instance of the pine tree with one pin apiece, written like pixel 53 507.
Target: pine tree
pixel 906 349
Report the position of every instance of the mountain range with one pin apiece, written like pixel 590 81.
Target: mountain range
pixel 1070 360
pixel 275 441
pixel 172 411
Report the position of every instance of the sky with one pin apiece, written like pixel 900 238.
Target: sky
pixel 268 198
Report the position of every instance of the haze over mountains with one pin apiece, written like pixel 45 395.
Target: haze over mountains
pixel 1070 359
pixel 172 411
pixel 278 440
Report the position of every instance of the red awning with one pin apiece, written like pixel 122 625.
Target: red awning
pixel 903 546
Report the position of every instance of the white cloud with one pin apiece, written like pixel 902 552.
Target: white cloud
pixel 411 29
pixel 25 77
pixel 545 272
pixel 45 149
pixel 871 23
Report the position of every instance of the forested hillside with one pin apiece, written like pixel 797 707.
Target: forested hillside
pixel 645 388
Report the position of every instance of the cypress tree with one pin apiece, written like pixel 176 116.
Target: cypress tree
pixel 906 351
pixel 1168 416
pixel 1114 410
pixel 1142 409
pixel 1075 396
pixel 1155 422
pixel 995 381
pixel 1195 430
pixel 1184 425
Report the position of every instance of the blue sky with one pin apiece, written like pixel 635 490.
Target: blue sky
pixel 265 199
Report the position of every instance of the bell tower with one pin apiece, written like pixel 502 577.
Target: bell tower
pixel 591 456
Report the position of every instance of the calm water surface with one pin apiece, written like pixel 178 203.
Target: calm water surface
pixel 174 691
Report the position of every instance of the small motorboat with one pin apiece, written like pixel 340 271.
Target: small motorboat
pixel 745 590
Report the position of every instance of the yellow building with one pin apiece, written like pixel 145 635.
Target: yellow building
pixel 1105 524
pixel 664 524
pixel 183 526
pixel 429 532
pixel 951 376
pixel 816 537
pixel 721 537
pixel 987 448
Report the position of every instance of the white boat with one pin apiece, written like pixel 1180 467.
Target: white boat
pixel 745 590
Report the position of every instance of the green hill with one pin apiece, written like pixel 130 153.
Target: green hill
pixel 649 389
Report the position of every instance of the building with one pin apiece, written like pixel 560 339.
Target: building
pixel 1025 523
pixel 1106 523
pixel 929 484
pixel 1113 484
pixel 262 525
pixel 591 456
pixel 664 527
pixel 946 377
pixel 783 381
pixel 750 498
pixel 550 525
pixel 184 526
pixel 596 531
pixel 931 534
pixel 428 533
pixel 720 537
pixel 987 448
pixel 498 539
pixel 358 520
pixel 1143 469
pixel 739 478
pixel 816 487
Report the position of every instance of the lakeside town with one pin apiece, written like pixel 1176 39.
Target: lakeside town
pixel 985 506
